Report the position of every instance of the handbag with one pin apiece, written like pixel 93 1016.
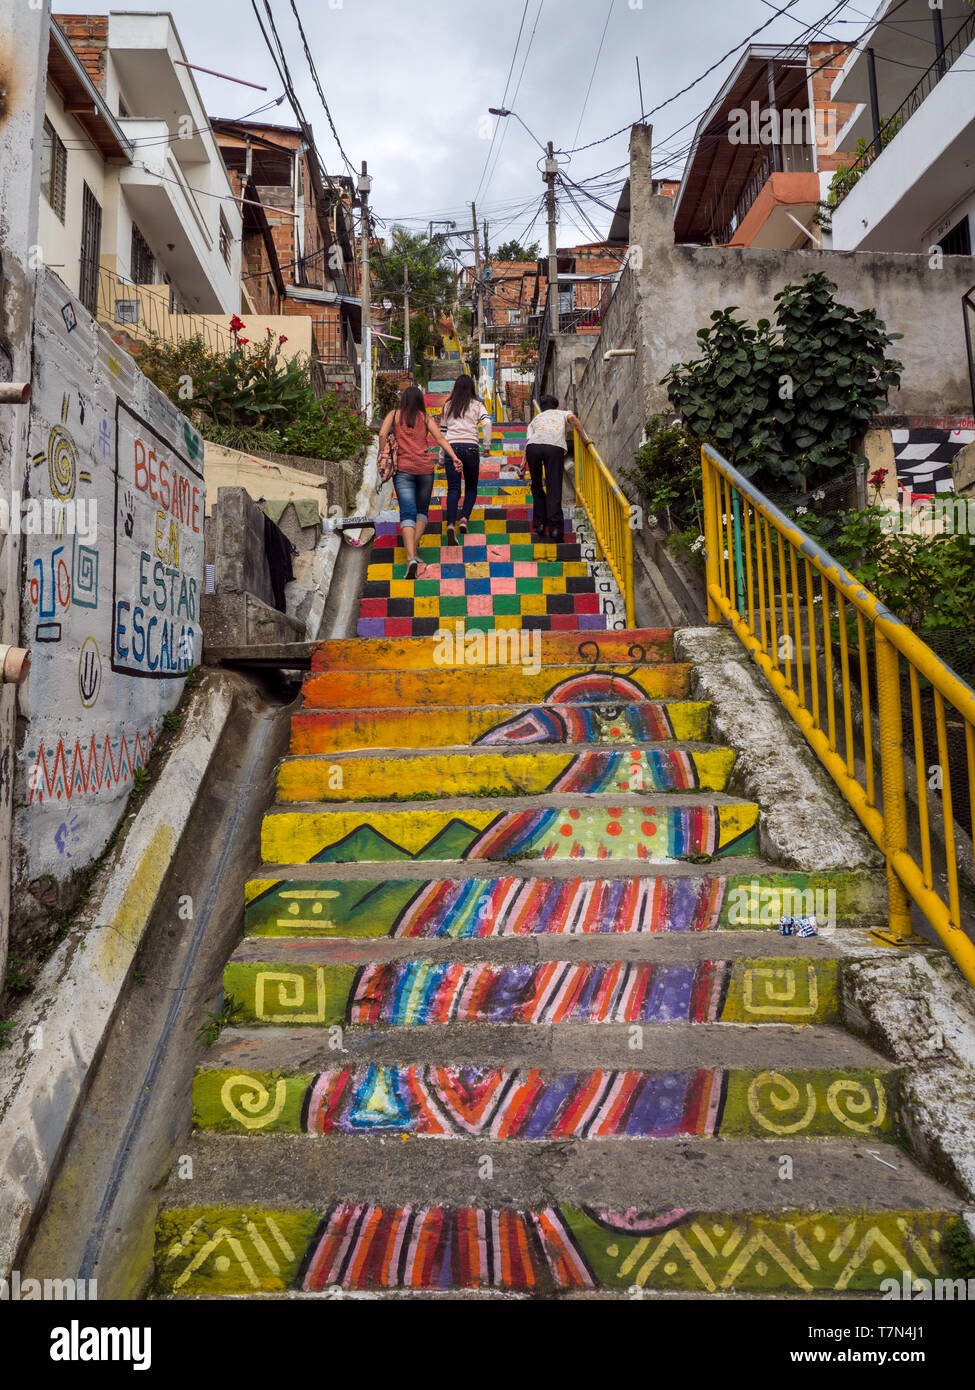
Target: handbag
pixel 387 458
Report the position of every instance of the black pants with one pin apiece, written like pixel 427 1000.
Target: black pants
pixel 545 464
pixel 470 457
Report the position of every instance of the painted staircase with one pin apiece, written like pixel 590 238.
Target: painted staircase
pixel 500 577
pixel 515 1014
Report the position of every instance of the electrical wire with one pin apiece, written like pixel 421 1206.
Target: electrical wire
pixel 595 65
pixel 318 87
pixel 511 68
pixel 514 96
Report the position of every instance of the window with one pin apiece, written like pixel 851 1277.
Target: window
pixel 91 249
pixel 514 316
pixel 54 169
pixel 958 241
pixel 226 240
pixel 142 265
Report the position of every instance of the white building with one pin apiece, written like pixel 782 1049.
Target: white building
pixel 912 75
pixel 134 189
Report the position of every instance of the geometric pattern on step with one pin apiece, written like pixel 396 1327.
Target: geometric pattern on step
pixel 658 834
pixel 361 1246
pixel 504 1103
pixel 406 993
pixel 498 907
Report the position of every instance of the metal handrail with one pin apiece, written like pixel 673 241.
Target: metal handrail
pixel 747 538
pixel 609 512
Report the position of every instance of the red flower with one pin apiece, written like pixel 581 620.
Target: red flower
pixel 236 324
pixel 877 477
pixel 244 342
pixel 269 332
pixel 281 340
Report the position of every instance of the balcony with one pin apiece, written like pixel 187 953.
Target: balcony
pixel 893 195
pixel 918 163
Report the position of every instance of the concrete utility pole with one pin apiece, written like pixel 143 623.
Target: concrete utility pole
pixel 365 183
pixel 478 285
pixel 407 345
pixel 551 169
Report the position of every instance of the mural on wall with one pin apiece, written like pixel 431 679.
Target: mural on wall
pixel 112 516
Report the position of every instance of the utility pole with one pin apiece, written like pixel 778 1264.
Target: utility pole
pixel 407 345
pixel 365 183
pixel 478 287
pixel 551 169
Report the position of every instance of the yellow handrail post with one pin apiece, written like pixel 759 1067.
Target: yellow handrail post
pixel 710 537
pixel 899 928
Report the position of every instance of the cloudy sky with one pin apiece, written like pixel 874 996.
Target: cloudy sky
pixel 409 82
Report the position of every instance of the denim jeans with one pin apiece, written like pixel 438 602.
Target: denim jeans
pixel 470 457
pixel 413 495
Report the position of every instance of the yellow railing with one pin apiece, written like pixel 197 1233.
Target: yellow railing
pixel 794 607
pixel 609 512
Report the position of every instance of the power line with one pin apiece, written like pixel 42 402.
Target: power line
pixel 514 95
pixel 595 65
pixel 318 88
pixel 511 68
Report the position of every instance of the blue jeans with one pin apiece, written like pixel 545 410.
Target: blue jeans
pixel 470 457
pixel 413 495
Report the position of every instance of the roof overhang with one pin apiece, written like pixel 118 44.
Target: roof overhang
pixel 717 169
pixel 82 99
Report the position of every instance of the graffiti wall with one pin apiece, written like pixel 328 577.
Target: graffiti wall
pixel 112 519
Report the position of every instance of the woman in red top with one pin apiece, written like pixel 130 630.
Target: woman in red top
pixel 413 479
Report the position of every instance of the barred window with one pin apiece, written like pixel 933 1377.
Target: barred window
pixel 54 169
pixel 226 240
pixel 142 263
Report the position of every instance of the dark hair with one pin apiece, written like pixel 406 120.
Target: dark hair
pixel 460 397
pixel 549 403
pixel 411 404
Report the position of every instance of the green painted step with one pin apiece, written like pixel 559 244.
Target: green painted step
pixel 535 1103
pixel 544 1251
pixel 509 906
pixel 401 993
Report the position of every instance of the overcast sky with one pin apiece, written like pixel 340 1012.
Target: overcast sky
pixel 409 83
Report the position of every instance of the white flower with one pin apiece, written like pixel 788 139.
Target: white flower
pixel 820 494
pixel 696 545
pixel 801 511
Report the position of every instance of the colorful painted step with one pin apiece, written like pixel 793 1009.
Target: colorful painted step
pixel 572 906
pixel 553 649
pixel 350 777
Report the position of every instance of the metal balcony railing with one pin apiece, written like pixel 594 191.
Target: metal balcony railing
pixel 912 102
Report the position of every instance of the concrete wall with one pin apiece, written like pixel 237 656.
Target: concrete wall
pixel 658 309
pixel 238 602
pixel 110 600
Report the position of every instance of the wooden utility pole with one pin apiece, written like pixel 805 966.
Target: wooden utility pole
pixel 365 183
pixel 478 284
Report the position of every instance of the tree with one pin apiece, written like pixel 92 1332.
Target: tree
pixel 430 275
pixel 514 251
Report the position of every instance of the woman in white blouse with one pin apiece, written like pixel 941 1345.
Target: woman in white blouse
pixel 545 451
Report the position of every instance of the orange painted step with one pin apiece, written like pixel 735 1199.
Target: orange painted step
pixel 556 649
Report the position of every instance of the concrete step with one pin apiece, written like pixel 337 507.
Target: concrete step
pixel 411 775
pixel 686 898
pixel 553 1047
pixel 283 982
pixel 688 1215
pixel 604 720
pixel 483 1101
pixel 553 649
pixel 429 625
pixel 494 685
pixel 549 827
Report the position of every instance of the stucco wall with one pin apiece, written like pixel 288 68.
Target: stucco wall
pixel 111 594
pixel 658 309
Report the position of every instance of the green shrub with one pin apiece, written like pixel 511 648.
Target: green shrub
pixel 787 404
pixel 666 473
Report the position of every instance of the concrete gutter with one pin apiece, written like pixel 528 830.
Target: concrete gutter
pixel 44 1073
pixel 805 822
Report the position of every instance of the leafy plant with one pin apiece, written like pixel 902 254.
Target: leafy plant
pixel 787 404
pixel 227 1013
pixel 666 472
pixel 250 398
pixel 847 176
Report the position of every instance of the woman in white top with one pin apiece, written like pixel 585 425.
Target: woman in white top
pixel 545 451
pixel 461 415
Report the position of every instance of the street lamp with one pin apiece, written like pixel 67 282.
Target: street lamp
pixel 503 111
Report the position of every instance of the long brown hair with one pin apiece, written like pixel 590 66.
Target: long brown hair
pixel 460 398
pixel 411 404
